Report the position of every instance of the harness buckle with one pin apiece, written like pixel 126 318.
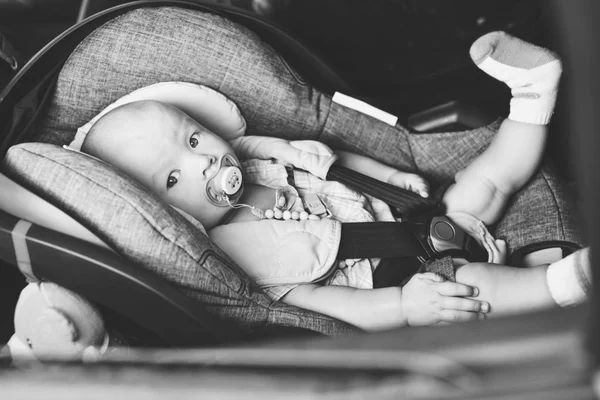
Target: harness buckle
pixel 447 238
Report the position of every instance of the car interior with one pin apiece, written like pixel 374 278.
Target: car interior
pixel 408 58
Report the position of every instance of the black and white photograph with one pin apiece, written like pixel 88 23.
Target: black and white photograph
pixel 299 199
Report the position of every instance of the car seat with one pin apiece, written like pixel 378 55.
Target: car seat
pixel 175 312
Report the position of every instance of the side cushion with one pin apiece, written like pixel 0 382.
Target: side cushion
pixel 151 234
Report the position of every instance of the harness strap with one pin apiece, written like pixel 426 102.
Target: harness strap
pixel 406 203
pixel 425 231
pixel 379 239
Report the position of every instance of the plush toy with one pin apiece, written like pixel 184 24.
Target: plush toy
pixel 52 322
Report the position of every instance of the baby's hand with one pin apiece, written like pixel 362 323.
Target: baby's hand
pixel 408 181
pixel 427 299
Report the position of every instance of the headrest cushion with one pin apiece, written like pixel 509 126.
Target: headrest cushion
pixel 207 106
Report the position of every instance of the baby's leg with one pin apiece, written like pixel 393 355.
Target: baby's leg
pixel 509 290
pixel 514 154
pixel 512 290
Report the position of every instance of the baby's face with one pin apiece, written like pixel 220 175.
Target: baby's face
pixel 174 156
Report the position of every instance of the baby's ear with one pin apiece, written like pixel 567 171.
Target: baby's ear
pixel 190 219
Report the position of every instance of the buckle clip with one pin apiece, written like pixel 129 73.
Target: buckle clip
pixel 445 237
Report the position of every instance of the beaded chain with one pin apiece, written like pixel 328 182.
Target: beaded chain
pixel 278 211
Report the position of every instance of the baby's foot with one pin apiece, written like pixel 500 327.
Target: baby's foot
pixel 531 72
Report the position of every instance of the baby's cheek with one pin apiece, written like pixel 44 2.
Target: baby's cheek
pixel 196 206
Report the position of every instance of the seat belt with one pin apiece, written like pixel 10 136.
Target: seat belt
pixel 423 232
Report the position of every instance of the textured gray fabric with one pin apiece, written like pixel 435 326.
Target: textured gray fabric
pixel 151 45
pixel 443 266
pixel 541 211
pixel 147 232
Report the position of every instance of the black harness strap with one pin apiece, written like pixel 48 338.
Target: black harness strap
pixel 425 231
pixel 406 203
pixel 379 239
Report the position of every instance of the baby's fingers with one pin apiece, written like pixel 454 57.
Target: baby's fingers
pixel 409 181
pixel 457 289
pixel 462 304
pixel 418 185
pixel 459 316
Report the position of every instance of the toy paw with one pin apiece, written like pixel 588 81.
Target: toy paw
pixel 53 322
pixel 54 328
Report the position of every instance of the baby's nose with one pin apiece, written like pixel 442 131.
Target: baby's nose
pixel 207 164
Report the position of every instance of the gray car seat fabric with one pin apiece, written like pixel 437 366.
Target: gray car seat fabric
pixel 151 45
pixel 170 44
pixel 160 44
pixel 543 210
pixel 87 84
pixel 154 236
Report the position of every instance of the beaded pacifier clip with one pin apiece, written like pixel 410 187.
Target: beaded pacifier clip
pixel 281 209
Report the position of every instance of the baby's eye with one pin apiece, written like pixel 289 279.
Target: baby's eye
pixel 194 139
pixel 173 179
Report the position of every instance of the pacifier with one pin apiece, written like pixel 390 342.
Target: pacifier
pixel 226 185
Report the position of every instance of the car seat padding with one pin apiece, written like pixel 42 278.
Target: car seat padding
pixel 203 104
pixel 145 231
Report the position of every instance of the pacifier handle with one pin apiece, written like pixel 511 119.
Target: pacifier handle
pixel 229 180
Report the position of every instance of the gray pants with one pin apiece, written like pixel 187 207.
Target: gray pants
pixel 150 45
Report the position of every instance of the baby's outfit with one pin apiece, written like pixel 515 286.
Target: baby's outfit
pixel 280 255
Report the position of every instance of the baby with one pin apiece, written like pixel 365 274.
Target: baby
pixel 182 162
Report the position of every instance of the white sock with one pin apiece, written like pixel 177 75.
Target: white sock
pixel 569 279
pixel 531 72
